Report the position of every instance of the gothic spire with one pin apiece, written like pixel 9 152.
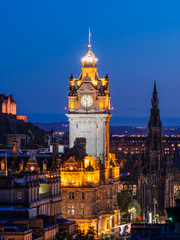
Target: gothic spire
pixel 154 135
pixel 155 100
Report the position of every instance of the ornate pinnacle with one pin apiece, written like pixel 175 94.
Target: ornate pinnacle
pixel 155 100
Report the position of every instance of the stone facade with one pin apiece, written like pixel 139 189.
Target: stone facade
pixel 42 197
pixel 95 128
pixel 89 108
pixel 89 190
pixel 30 202
pixel 89 173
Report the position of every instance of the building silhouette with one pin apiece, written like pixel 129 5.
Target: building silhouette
pixel 155 177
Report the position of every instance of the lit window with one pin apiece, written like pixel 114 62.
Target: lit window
pixel 71 210
pixel 121 187
pixel 19 195
pixel 107 224
pixel 134 190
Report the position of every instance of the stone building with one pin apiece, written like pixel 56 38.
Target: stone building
pixel 30 202
pixel 89 194
pixel 155 176
pixel 89 108
pixel 7 104
pixel 16 233
pixel 89 173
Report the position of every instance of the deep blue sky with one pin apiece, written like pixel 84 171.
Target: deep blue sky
pixel 136 42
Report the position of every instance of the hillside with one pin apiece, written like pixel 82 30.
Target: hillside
pixel 10 125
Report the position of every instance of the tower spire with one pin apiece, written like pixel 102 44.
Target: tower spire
pixel 89 59
pixel 89 45
pixel 155 100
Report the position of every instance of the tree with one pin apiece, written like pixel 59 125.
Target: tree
pixel 80 235
pixel 124 198
pixel 63 236
pixel 177 195
pixel 91 233
pixel 134 208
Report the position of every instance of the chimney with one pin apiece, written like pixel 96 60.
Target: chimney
pixel 81 143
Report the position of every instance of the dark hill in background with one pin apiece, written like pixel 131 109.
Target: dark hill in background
pixel 56 126
pixel 115 130
pixel 10 125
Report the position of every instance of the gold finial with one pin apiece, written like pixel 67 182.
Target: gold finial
pixel 89 45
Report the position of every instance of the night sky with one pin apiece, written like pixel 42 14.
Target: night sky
pixel 136 42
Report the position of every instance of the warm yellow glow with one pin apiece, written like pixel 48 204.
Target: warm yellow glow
pixel 71 104
pixel 89 160
pixel 101 104
pixel 89 179
pixel 86 162
pixel 2 166
pixel 89 57
pixel 78 83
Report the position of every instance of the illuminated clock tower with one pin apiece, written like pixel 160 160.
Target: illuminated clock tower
pixel 89 108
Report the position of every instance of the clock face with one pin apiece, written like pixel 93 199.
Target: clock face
pixel 86 101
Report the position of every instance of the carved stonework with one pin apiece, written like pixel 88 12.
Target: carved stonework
pixel 155 179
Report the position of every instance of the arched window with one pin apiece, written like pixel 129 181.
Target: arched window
pixel 107 224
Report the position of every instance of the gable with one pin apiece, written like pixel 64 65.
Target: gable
pixel 71 160
pixel 86 87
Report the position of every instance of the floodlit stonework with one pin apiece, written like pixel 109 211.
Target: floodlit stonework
pixel 89 173
pixel 95 128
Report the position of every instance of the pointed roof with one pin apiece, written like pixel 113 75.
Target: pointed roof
pixel 155 100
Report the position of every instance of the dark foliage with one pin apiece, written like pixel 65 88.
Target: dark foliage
pixel 79 235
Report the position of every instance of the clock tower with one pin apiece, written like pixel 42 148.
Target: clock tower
pixel 89 108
